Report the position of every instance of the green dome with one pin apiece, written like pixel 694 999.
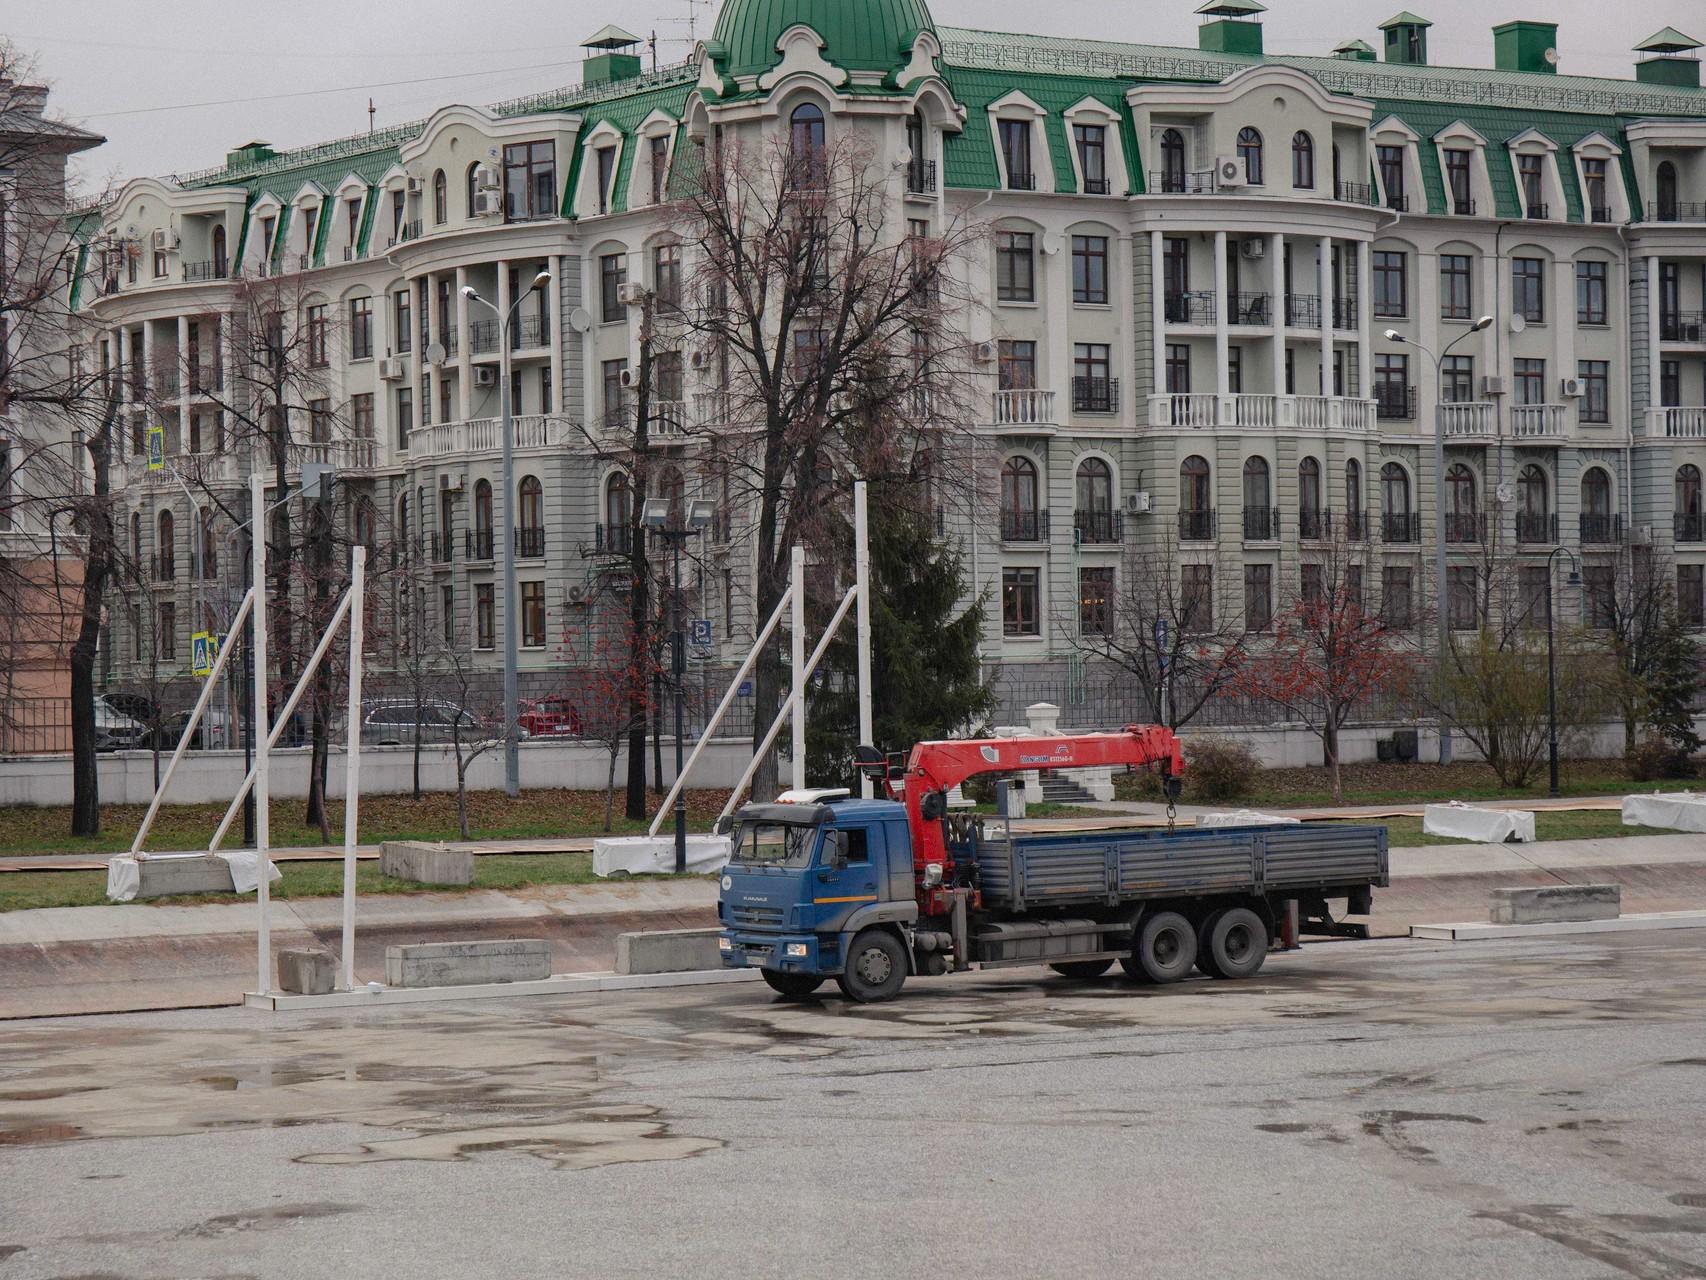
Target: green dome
pixel 859 35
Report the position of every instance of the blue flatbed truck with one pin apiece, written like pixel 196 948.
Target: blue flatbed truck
pixel 839 888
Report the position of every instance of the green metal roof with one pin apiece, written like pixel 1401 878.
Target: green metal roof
pixel 1670 40
pixel 626 115
pixel 859 35
pixel 1404 19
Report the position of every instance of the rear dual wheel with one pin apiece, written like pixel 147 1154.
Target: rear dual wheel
pixel 1232 944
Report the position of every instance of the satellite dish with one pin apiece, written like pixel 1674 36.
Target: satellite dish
pixel 1551 56
pixel 1506 495
pixel 435 353
pixel 580 319
pixel 1518 324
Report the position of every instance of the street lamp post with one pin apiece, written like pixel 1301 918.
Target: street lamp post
pixel 656 516
pixel 1551 667
pixel 1441 627
pixel 512 751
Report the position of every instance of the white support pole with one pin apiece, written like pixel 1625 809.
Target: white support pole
pixel 207 689
pixel 352 754
pixel 862 584
pixel 283 720
pixel 788 706
pixel 723 706
pixel 797 699
pixel 263 746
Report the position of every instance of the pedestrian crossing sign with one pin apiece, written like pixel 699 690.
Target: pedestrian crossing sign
pixel 204 651
pixel 157 448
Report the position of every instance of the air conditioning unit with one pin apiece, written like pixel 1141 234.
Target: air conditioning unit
pixel 159 240
pixel 983 352
pixel 577 594
pixel 412 185
pixel 450 482
pixel 488 204
pixel 628 379
pixel 700 359
pixel 630 295
pixel 1572 388
pixel 487 178
pixel 1492 385
pixel 485 375
pixel 1139 503
pixel 1229 171
pixel 1641 535
pixel 1253 250
pixel 390 369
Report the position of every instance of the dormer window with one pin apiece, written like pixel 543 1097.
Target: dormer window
pixel 1092 143
pixel 398 202
pixel 268 226
pixel 1667 192
pixel 1457 181
pixel 1016 152
pixel 1594 173
pixel 1390 160
pixel 220 262
pixel 660 167
pixel 1531 169
pixel 1250 152
pixel 1172 161
pixel 606 174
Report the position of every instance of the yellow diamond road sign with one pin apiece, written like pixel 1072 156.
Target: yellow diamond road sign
pixel 204 651
pixel 157 448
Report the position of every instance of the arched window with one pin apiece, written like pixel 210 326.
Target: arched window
pixel 672 488
pixel 1250 152
pixel 1196 507
pixel 165 566
pixel 403 526
pixel 482 531
pixel 209 544
pixel 1019 491
pixel 1688 491
pixel 1303 162
pixel 1256 483
pixel 1533 508
pixel 473 188
pixel 1353 490
pixel 1596 492
pixel 1095 514
pixel 805 144
pixel 530 510
pixel 367 527
pixel 1395 521
pixel 1309 485
pixel 915 145
pixel 1172 160
pixel 1461 524
pixel 220 260
pixel 440 199
pixel 618 513
pixel 1667 192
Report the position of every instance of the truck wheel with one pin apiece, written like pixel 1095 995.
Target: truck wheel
pixel 1237 943
pixel 1205 951
pixel 1082 970
pixel 792 984
pixel 876 968
pixel 1166 947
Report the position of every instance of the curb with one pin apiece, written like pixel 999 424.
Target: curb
pixel 564 984
pixel 1640 923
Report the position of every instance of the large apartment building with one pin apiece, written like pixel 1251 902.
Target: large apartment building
pixel 1195 258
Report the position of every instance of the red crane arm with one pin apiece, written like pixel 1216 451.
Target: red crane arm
pixel 935 767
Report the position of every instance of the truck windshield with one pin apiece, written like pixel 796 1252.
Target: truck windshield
pixel 774 845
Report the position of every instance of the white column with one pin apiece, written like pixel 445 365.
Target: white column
pixel 184 374
pixel 1564 327
pixel 464 356
pixel 1326 275
pixel 1158 312
pixel 554 309
pixel 1654 366
pixel 1365 319
pixel 1276 264
pixel 1223 305
pixel 434 326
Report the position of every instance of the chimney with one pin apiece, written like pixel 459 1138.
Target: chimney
pixel 1526 46
pixel 1354 51
pixel 1673 62
pixel 1406 39
pixel 1231 26
pixel 612 55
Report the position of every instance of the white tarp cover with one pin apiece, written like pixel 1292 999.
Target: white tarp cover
pixel 245 866
pixel 1241 818
pixel 1460 821
pixel 655 855
pixel 1678 811
pixel 124 878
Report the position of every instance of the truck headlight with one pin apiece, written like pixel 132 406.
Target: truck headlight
pixel 796 951
pixel 723 944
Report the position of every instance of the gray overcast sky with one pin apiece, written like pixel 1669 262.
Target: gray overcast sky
pixel 105 57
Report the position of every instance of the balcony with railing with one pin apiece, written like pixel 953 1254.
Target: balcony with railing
pixel 1537 421
pixel 1465 526
pixel 1098 187
pixel 1022 181
pixel 1687 327
pixel 1303 311
pixel 439 548
pixel 1398 203
pixel 920 176
pixel 477 544
pixel 1394 403
pixel 1193 307
pixel 1355 525
pixel 206 379
pixel 166 381
pixel 483 337
pixel 1026 407
pixel 668 420
pixel 530 333
pixel 1678 422
pixel 1469 419
pixel 612 540
pixel 1689 526
pixel 1097 528
pixel 1261 524
pixel 530 543
pixel 1196 526
pixel 1250 309
pixel 1019 525
pixel 1354 192
pixel 163 567
pixel 1536 529
pixel 1600 213
pixel 534 431
pixel 1179 182
pixel 1314 523
pixel 209 269
pixel 345 455
pixel 1095 395
pixel 1402 528
pixel 1344 313
pixel 1539 211
pixel 1676 211
pixel 1601 530
pixel 1348 415
pixel 1463 207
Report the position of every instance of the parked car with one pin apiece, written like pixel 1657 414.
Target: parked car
pixel 550 718
pixel 141 709
pixel 212 734
pixel 115 731
pixel 391 722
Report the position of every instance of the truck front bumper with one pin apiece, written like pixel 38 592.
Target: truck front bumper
pixel 783 952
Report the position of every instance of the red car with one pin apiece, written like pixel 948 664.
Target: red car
pixel 551 718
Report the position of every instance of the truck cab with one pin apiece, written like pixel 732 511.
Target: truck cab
pixel 808 879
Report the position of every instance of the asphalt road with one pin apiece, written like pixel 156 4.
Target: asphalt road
pixel 1382 1109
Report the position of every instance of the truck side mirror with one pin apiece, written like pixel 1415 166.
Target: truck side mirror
pixel 934 806
pixel 725 824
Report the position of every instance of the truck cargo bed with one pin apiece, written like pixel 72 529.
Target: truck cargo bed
pixel 1111 867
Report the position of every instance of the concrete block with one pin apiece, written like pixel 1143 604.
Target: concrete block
pixel 165 876
pixel 426 863
pixel 668 951
pixel 1555 903
pixel 464 964
pixel 310 972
